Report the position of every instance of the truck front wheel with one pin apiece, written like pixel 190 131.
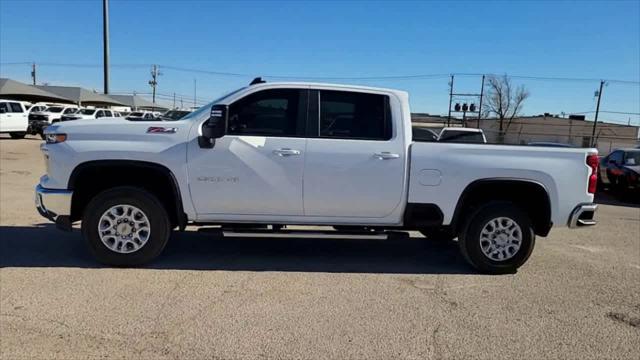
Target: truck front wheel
pixel 125 226
pixel 497 238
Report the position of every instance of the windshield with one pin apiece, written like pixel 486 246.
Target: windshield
pixel 54 109
pixel 136 114
pixel 204 111
pixel 87 111
pixel 632 158
pixel 462 136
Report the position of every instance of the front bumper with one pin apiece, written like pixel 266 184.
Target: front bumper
pixel 55 205
pixel 582 215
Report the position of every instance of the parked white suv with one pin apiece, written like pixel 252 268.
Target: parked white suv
pixel 141 116
pixel 88 114
pixel 13 118
pixel 307 154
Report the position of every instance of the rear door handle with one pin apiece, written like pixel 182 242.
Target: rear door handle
pixel 286 152
pixel 385 155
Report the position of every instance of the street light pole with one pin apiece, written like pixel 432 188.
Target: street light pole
pixel 595 121
pixel 105 43
pixel 450 100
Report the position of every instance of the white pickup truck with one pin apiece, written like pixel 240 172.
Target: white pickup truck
pixel 275 154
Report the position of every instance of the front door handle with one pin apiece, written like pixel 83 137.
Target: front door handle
pixel 385 155
pixel 286 152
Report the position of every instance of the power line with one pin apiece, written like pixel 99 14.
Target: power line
pixel 603 111
pixel 552 78
pixel 381 77
pixel 392 77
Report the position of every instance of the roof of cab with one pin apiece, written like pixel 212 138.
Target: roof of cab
pixel 301 84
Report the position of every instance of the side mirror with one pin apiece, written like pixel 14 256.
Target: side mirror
pixel 2 111
pixel 215 127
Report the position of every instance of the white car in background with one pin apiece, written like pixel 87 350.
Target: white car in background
pixel 39 120
pixel 13 118
pixel 52 113
pixel 462 135
pixel 37 108
pixel 88 114
pixel 142 116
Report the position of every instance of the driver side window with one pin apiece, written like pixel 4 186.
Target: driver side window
pixel 275 112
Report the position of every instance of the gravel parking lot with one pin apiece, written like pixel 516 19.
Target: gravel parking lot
pixel 209 297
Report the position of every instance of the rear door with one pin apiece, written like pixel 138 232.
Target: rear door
pixel 355 159
pixel 257 167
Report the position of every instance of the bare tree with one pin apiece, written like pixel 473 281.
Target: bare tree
pixel 503 101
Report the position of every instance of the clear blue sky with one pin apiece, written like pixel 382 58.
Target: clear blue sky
pixel 336 39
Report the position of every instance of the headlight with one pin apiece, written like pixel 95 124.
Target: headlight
pixel 55 138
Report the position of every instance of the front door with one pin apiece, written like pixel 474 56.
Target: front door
pixel 256 169
pixel 354 166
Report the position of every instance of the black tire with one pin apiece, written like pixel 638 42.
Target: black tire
pixel 41 133
pixel 159 224
pixel 17 135
pixel 469 238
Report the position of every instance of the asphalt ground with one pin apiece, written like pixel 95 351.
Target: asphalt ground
pixel 211 297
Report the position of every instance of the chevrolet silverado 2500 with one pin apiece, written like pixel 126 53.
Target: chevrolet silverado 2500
pixel 275 154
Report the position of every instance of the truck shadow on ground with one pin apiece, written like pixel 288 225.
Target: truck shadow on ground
pixel 45 246
pixel 616 199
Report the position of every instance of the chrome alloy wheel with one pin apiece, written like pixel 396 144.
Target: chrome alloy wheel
pixel 124 229
pixel 500 239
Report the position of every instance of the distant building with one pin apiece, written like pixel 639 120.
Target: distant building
pixel 575 131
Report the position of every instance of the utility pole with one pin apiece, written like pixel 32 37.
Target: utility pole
pixel 450 100
pixel 480 106
pixel 33 73
pixel 595 121
pixel 174 100
pixel 194 92
pixel 154 81
pixel 105 43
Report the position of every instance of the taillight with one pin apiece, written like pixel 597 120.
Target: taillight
pixel 593 162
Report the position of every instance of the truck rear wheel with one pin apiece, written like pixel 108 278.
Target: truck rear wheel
pixel 497 238
pixel 125 226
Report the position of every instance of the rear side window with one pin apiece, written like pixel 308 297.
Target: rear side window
pixel 15 107
pixel 275 112
pixel 350 115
